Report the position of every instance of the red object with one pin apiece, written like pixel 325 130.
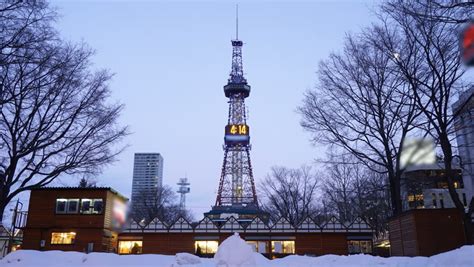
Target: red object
pixel 467 48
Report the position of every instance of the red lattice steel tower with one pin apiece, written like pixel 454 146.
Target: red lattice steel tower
pixel 236 185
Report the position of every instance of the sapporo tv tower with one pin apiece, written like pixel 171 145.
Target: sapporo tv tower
pixel 236 193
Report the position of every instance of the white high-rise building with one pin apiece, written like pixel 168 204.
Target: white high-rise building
pixel 147 178
pixel 464 124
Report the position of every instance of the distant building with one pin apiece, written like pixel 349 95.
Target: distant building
pixel 464 125
pixel 147 177
pixel 425 186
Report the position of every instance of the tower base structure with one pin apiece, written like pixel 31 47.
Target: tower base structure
pixel 243 213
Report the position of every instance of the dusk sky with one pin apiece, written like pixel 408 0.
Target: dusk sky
pixel 171 61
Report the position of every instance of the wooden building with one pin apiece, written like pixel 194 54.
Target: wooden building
pixel 426 232
pixel 74 219
pixel 87 219
pixel 271 239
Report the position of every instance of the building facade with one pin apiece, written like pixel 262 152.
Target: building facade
pixel 463 110
pixel 426 232
pixel 272 239
pixel 74 219
pixel 147 179
pixel 425 186
pixel 89 219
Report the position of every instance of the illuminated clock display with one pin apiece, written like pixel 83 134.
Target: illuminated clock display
pixel 237 129
pixel 237 134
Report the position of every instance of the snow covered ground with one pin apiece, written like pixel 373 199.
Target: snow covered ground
pixel 232 252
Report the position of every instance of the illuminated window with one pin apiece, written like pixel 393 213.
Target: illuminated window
pixel 206 247
pixel 92 206
pixel 416 201
pixel 284 247
pixel 259 246
pixel 456 184
pixel 359 246
pixel 64 238
pixel 130 247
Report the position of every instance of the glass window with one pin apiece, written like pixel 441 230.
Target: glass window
pixel 130 247
pixel 259 246
pixel 92 206
pixel 366 246
pixel 86 205
pixel 433 197
pixel 441 200
pixel 72 205
pixel 61 204
pixel 98 206
pixel 285 247
pixel 63 238
pixel 359 246
pixel 206 247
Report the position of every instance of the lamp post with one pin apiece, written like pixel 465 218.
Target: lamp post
pixel 16 213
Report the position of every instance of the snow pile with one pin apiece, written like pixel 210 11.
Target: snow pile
pixel 187 259
pixel 234 252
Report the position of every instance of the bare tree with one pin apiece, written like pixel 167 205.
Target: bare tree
pixel 338 187
pixel 430 63
pixel 152 203
pixel 24 27
pixel 361 105
pixel 352 190
pixel 444 11
pixel 56 117
pixel 160 203
pixel 87 183
pixel 289 193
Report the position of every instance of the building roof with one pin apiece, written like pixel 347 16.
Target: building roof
pixel 433 166
pixel 238 209
pixel 58 188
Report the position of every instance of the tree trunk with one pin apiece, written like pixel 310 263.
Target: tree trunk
pixel 467 228
pixel 448 156
pixel 4 191
pixel 3 205
pixel 395 194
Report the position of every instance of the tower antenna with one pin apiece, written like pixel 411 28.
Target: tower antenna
pixel 237 21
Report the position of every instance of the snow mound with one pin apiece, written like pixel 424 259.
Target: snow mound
pixel 234 252
pixel 187 259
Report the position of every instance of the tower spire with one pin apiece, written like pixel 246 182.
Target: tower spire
pixel 237 22
pixel 237 70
